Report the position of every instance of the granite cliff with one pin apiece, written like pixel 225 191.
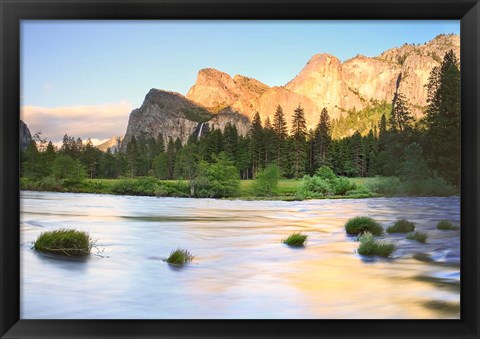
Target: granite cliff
pixel 25 135
pixel 216 98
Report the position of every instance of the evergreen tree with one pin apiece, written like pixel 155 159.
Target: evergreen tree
pixel 443 118
pixel 280 129
pixel 299 132
pixel 132 157
pixel 170 158
pixel 256 143
pixel 322 140
pixel 268 142
pixel 230 141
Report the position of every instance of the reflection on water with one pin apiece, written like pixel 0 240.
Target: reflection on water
pixel 241 270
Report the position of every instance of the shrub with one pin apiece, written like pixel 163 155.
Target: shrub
pixel 418 236
pixel 433 186
pixel 64 242
pixel 359 225
pixel 446 225
pixel 218 179
pixel 340 186
pixel 368 246
pixel 179 257
pixel 172 189
pixel 137 186
pixel 266 183
pixel 325 173
pixel 313 187
pixel 296 239
pixel 401 226
pixel 326 183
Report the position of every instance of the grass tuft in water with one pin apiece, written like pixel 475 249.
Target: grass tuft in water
pixel 446 225
pixel 369 246
pixel 179 257
pixel 66 242
pixel 418 236
pixel 401 226
pixel 360 225
pixel 296 239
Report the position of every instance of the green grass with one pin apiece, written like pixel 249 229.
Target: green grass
pixel 401 226
pixel 418 236
pixel 179 257
pixel 66 242
pixel 360 225
pixel 446 225
pixel 369 246
pixel 296 239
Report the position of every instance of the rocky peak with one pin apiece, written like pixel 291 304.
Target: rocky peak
pixel 324 81
pixel 114 144
pixel 165 112
pixel 25 135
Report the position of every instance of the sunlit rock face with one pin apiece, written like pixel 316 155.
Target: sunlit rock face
pixel 25 135
pixel 112 145
pixel 325 81
pixel 216 98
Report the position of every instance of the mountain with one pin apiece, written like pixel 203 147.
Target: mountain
pixel 345 88
pixel 25 135
pixel 114 144
pixel 175 116
pixel 325 81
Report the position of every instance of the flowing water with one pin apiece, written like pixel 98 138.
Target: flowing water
pixel 241 269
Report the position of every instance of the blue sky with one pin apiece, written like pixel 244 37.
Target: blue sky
pixel 94 65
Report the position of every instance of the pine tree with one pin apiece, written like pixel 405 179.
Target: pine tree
pixel 280 129
pixel 170 158
pixel 323 140
pixel 132 157
pixel 268 142
pixel 256 143
pixel 443 118
pixel 299 132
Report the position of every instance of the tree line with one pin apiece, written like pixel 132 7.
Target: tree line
pixel 398 145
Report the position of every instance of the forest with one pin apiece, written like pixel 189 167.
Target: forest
pixel 409 151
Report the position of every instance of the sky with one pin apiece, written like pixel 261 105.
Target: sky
pixel 83 78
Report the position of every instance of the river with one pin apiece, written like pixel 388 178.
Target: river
pixel 241 269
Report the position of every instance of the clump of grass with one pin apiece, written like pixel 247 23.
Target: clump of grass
pixel 179 257
pixel 369 246
pixel 66 242
pixel 296 239
pixel 418 236
pixel 360 225
pixel 446 225
pixel 401 226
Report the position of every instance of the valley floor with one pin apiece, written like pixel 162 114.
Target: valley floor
pixel 287 188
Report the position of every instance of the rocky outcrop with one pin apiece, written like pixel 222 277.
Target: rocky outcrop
pixel 25 135
pixel 217 90
pixel 165 112
pixel 226 116
pixel 216 98
pixel 325 81
pixel 113 145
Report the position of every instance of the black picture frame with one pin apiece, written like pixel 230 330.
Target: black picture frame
pixel 13 11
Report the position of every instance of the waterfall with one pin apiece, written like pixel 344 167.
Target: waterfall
pixel 200 132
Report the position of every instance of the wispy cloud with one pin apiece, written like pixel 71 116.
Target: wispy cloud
pixel 96 122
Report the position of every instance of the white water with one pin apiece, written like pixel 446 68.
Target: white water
pixel 241 270
pixel 200 132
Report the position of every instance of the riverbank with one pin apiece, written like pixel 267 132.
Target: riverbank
pixel 287 188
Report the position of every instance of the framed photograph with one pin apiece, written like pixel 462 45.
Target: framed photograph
pixel 239 169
